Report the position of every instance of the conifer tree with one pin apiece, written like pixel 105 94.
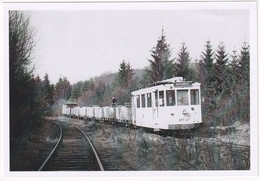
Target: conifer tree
pixel 183 63
pixel 161 67
pixel 235 70
pixel 221 71
pixel 125 74
pixel 208 68
pixel 76 90
pixel 62 89
pixel 244 61
pixel 48 89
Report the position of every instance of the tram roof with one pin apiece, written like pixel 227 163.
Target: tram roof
pixel 177 82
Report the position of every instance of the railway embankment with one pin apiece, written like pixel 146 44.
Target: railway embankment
pixel 124 149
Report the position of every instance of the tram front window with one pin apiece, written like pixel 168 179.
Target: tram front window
pixel 170 97
pixel 143 100
pixel 149 100
pixel 161 98
pixel 194 96
pixel 182 97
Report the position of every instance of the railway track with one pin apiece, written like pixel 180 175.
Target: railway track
pixel 73 151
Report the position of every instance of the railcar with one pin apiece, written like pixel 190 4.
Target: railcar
pixel 83 112
pixel 109 113
pixel 89 113
pixel 95 110
pixel 100 114
pixel 64 110
pixel 167 105
pixel 123 114
pixel 75 112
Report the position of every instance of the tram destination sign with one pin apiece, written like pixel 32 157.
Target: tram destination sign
pixel 183 84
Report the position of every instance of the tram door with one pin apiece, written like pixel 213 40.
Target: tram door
pixel 155 108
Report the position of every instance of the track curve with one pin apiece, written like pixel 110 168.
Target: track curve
pixel 73 152
pixel 51 153
pixel 93 148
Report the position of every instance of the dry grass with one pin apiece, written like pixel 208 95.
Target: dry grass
pixel 138 150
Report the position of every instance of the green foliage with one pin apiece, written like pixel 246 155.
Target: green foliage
pixel 230 102
pixel 208 78
pixel 26 94
pixel 76 91
pixel 125 74
pixel 145 78
pixel 48 90
pixel 161 67
pixel 244 61
pixel 62 89
pixel 183 64
pixel 220 67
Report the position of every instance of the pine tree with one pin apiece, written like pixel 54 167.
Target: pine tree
pixel 62 89
pixel 244 61
pixel 183 63
pixel 48 89
pixel 76 90
pixel 161 67
pixel 130 75
pixel 235 69
pixel 221 71
pixel 125 74
pixel 207 67
pixel 122 73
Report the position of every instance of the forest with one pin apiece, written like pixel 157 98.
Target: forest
pixel 224 78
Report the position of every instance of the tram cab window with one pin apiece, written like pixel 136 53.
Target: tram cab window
pixel 149 100
pixel 161 98
pixel 182 97
pixel 156 98
pixel 194 96
pixel 143 100
pixel 138 101
pixel 170 97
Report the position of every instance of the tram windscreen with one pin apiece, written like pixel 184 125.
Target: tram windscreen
pixel 161 98
pixel 170 97
pixel 182 97
pixel 149 100
pixel 143 100
pixel 194 96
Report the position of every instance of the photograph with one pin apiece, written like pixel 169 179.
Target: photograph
pixel 130 89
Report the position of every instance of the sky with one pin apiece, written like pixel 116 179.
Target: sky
pixel 83 44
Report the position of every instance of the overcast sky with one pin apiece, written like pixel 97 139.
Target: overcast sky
pixel 83 44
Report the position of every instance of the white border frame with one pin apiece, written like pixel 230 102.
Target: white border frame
pixel 254 125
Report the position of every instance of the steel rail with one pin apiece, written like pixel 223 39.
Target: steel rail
pixel 97 157
pixel 49 156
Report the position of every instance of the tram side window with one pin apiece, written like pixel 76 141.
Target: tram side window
pixel 161 98
pixel 170 97
pixel 138 101
pixel 149 100
pixel 194 96
pixel 182 97
pixel 143 100
pixel 156 98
